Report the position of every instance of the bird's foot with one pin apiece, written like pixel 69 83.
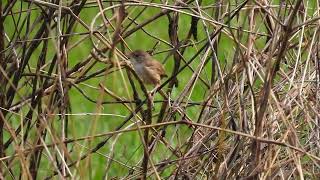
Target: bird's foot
pixel 151 99
pixel 153 91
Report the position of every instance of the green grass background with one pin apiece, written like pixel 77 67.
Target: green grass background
pixel 128 149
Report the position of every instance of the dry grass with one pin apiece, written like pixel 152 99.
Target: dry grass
pixel 241 100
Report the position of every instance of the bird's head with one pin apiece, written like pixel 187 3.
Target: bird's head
pixel 138 56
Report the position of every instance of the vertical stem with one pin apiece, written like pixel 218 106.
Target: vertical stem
pixel 2 82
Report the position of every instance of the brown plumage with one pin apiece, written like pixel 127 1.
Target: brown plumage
pixel 149 70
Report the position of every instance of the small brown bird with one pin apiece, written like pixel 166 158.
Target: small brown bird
pixel 149 70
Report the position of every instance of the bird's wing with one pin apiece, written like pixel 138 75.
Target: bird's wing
pixel 156 66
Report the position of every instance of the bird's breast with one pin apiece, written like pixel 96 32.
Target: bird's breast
pixel 138 67
pixel 146 75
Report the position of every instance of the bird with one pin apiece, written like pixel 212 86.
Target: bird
pixel 149 70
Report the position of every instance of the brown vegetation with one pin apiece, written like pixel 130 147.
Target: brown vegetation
pixel 241 99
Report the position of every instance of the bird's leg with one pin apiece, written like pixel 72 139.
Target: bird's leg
pixel 152 93
pixel 151 98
